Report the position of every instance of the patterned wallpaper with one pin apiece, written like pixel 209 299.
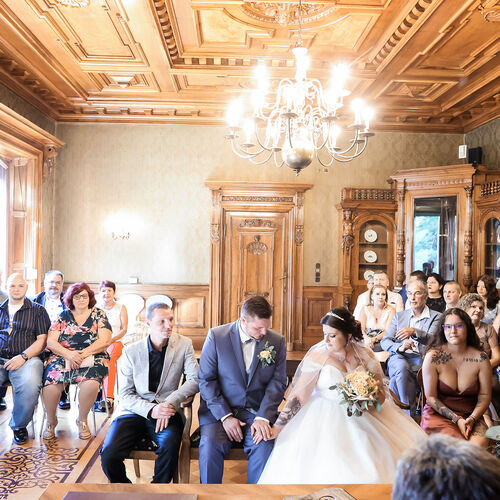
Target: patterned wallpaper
pixel 24 108
pixel 149 179
pixel 488 138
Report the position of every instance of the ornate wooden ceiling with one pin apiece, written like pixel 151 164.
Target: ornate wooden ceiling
pixel 425 65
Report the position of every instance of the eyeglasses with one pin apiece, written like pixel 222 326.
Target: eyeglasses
pixel 83 296
pixel 457 326
pixel 414 294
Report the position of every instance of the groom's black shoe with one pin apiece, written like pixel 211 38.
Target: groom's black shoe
pixel 3 404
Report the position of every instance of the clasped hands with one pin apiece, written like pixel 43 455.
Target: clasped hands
pixel 260 430
pixel 75 359
pixel 465 426
pixel 162 413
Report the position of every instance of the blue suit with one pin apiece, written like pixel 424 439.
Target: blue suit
pixel 403 367
pixel 226 388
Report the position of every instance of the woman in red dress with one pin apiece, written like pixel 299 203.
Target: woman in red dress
pixel 457 381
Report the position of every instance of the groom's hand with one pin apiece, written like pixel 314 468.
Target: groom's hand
pixel 261 430
pixel 233 426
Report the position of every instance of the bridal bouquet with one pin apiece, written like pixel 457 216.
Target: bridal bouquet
pixel 359 390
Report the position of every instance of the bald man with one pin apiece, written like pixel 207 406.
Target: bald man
pixel 23 335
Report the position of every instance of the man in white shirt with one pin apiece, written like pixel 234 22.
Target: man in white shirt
pixel 393 299
pixel 51 299
pixel 451 294
pixel 406 339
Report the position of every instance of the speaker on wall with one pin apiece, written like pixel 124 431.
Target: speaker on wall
pixel 475 155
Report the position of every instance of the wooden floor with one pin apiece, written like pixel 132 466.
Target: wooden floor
pixel 26 471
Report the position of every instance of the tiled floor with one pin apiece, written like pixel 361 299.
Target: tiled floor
pixel 26 471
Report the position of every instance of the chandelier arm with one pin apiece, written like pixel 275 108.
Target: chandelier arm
pixel 242 151
pixel 264 148
pixel 239 151
pixel 260 162
pixel 353 143
pixel 276 162
pixel 327 164
pixel 349 158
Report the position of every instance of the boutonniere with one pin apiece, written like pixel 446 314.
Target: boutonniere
pixel 268 355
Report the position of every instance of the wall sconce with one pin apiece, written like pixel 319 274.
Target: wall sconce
pixel 120 236
pixel 119 225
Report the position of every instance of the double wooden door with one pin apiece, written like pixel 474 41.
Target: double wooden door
pixel 255 258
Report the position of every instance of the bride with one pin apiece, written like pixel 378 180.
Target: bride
pixel 316 441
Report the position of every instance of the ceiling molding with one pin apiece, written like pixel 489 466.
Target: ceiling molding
pixel 425 65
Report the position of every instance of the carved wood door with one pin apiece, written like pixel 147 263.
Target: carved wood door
pixel 255 260
pixel 256 235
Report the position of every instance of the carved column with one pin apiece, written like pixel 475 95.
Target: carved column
pixel 347 246
pixel 400 238
pixel 468 240
pixel 216 241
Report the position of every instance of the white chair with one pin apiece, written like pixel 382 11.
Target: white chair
pixel 155 299
pixel 134 304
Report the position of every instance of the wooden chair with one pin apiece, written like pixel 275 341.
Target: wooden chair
pixel 145 449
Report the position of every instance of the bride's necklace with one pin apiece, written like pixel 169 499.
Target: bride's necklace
pixel 340 357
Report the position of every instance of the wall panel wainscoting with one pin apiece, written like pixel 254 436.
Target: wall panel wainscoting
pixel 318 300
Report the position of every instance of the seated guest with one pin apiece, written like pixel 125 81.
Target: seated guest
pixel 435 299
pixel 415 276
pixel 393 299
pixel 406 339
pixel 118 319
pixel 419 275
pixel 451 294
pixel 376 317
pixel 486 287
pixel 23 334
pixel 149 373
pixel 457 381
pixel 78 340
pixel 446 469
pixel 241 386
pixel 52 299
pixel 474 305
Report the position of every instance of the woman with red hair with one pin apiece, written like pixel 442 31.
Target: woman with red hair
pixel 78 340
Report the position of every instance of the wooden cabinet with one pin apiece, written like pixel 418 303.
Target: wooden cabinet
pixel 368 225
pixel 388 229
pixel 463 234
pixel 487 221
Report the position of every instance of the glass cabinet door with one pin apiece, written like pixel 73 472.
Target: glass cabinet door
pixel 435 235
pixel 373 249
pixel 492 247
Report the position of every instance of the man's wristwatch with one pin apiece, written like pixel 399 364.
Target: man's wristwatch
pixel 24 356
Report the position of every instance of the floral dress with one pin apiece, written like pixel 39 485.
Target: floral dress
pixel 77 337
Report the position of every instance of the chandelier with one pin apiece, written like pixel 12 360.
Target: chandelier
pixel 74 3
pixel 302 122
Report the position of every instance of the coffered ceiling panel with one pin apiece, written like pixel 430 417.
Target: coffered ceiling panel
pixel 425 65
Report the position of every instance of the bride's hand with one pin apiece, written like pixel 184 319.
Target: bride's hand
pixel 275 431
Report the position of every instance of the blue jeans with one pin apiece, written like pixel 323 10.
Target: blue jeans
pixel 26 385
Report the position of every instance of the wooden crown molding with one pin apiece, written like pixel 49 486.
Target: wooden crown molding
pixel 426 65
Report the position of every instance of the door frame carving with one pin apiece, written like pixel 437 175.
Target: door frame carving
pixel 250 196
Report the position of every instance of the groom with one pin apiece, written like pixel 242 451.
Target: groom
pixel 242 380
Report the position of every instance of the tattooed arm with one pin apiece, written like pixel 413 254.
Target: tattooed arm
pixel 430 376
pixel 484 396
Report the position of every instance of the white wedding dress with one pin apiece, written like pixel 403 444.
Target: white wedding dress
pixel 321 444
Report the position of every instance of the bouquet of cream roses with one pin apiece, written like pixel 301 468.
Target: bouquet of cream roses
pixel 359 390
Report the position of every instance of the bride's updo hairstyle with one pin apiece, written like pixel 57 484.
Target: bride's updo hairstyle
pixel 341 319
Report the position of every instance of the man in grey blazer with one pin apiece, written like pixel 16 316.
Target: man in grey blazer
pixel 149 374
pixel 406 339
